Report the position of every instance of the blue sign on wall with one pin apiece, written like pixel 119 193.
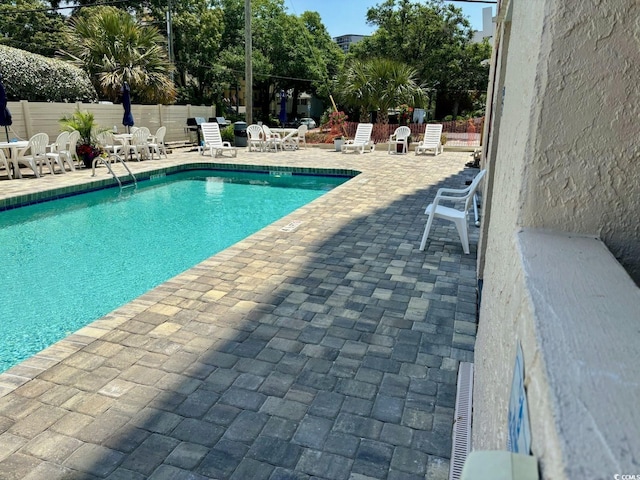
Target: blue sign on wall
pixel 519 439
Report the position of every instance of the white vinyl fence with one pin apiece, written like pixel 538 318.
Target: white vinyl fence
pixel 30 118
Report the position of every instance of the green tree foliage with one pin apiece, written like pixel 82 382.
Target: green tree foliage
pixel 289 52
pixel 432 37
pixel 380 84
pixel 27 25
pixel 32 77
pixel 113 48
pixel 197 30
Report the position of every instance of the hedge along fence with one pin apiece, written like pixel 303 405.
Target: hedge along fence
pixel 30 118
pixel 28 75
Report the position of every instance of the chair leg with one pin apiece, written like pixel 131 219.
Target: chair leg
pixel 427 227
pixel 475 209
pixel 461 226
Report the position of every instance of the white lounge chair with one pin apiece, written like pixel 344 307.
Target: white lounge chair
pixel 213 140
pixel 399 137
pixel 255 136
pixel 362 141
pixel 458 217
pixel 432 134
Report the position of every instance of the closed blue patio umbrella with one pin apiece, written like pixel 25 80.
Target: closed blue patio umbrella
pixel 127 119
pixel 5 114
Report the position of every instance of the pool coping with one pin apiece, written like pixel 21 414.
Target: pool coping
pixel 23 200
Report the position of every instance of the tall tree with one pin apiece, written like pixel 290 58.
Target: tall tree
pixel 289 52
pixel 27 25
pixel 113 48
pixel 432 37
pixel 198 33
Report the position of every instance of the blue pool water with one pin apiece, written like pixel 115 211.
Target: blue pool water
pixel 68 262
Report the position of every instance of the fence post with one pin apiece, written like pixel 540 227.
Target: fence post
pixel 26 114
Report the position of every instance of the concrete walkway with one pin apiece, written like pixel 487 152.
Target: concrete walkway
pixel 329 351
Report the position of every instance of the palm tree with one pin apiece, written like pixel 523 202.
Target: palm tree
pixel 380 84
pixel 355 89
pixel 113 48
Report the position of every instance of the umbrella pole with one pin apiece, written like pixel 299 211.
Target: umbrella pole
pixel 6 131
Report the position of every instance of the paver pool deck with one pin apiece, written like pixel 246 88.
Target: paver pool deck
pixel 327 350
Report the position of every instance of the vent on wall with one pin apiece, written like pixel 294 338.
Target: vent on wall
pixel 461 444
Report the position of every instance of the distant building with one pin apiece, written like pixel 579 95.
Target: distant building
pixel 344 41
pixel 488 26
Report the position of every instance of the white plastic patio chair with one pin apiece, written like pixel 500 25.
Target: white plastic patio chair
pixel 255 138
pixel 139 144
pixel 399 137
pixel 5 163
pixel 271 139
pixel 458 217
pixel 36 156
pixel 57 152
pixel 362 141
pixel 70 151
pixel 432 134
pixel 156 144
pixel 213 140
pixel 109 143
pixel 301 137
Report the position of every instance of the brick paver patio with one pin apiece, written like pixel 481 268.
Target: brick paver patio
pixel 326 352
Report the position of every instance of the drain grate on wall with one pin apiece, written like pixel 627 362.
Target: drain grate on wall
pixel 461 444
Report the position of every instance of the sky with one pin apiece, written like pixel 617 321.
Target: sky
pixel 342 17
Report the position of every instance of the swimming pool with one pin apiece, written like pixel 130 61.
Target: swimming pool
pixel 68 262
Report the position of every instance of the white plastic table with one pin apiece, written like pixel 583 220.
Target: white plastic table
pixel 12 148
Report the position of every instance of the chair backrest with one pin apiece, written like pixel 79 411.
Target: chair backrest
pixel 61 142
pixel 302 130
pixel 267 131
pixel 74 136
pixel 133 130
pixel 160 133
pixel 38 144
pixel 211 133
pixel 255 132
pixel 363 133
pixel 140 136
pixel 105 138
pixel 472 189
pixel 432 134
pixel 402 133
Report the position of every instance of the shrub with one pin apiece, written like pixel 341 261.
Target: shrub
pixel 35 78
pixel 227 134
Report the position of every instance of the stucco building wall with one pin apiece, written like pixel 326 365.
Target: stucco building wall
pixel 563 157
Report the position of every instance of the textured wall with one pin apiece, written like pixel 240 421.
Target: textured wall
pixel 586 170
pixel 503 297
pixel 567 159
